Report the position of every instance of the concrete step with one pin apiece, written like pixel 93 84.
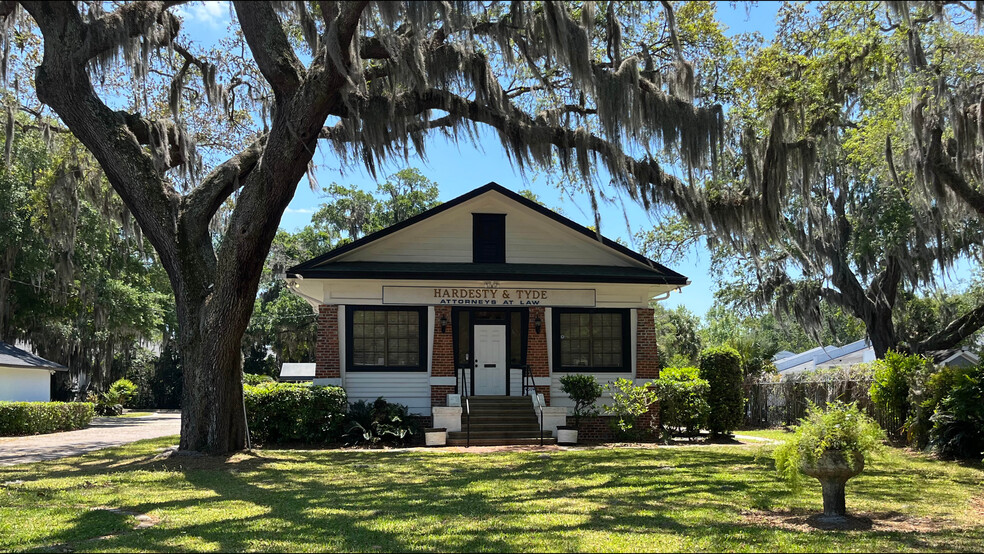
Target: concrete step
pixel 502 442
pixel 498 434
pixel 502 426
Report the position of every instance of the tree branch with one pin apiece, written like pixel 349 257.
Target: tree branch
pixel 954 332
pixel 130 20
pixel 945 172
pixel 270 47
pixel 205 200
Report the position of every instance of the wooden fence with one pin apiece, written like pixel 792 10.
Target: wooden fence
pixel 776 404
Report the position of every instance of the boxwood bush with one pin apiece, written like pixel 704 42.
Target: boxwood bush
pixel 293 412
pixel 33 418
pixel 722 368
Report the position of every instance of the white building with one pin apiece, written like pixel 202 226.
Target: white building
pixel 25 377
pixel 857 352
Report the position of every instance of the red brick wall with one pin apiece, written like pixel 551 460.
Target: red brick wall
pixel 326 357
pixel 536 352
pixel 598 429
pixel 443 360
pixel 647 356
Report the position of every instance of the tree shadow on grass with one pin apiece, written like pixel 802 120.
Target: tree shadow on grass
pixel 359 500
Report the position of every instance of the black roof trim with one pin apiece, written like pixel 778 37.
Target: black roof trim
pixel 501 272
pixel 491 186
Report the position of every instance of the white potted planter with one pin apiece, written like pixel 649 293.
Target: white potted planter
pixel 436 436
pixel 566 434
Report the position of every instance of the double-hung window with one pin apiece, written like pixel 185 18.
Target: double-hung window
pixel 591 340
pixel 386 339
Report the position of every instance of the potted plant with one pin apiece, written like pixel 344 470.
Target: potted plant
pixel 584 391
pixel 830 445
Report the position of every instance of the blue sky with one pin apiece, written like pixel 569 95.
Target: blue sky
pixel 460 167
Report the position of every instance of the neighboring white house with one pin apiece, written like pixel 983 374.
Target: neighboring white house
pixel 297 372
pixel 25 377
pixel 823 357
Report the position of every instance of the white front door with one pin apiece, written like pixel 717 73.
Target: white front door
pixel 490 360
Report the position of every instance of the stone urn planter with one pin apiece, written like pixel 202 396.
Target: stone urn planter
pixel 436 436
pixel 567 435
pixel 833 470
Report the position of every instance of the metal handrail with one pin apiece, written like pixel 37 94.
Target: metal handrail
pixel 464 396
pixel 528 374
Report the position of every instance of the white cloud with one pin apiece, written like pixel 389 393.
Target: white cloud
pixel 209 13
pixel 299 210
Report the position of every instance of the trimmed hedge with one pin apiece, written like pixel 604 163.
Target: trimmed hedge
pixel 293 412
pixel 35 418
pixel 722 368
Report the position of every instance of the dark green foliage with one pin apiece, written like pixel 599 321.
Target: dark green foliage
pixel 682 395
pixel 722 368
pixel 167 382
pixel 379 422
pixel 929 386
pixel 32 418
pixel 584 391
pixel 958 424
pixel 288 412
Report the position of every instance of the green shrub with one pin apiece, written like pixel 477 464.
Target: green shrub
pixel 33 418
pixel 104 405
pixel 122 392
pixel 379 422
pixel 683 408
pixel 584 391
pixel 893 375
pixel 288 412
pixel 958 424
pixel 721 367
pixel 928 388
pixel 629 401
pixel 253 379
pixel 839 426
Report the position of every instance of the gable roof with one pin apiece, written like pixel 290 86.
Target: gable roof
pixel 314 267
pixel 819 355
pixel 11 356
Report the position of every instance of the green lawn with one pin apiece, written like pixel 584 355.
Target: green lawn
pixel 677 498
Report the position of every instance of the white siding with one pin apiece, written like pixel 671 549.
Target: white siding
pixel 411 388
pixel 531 238
pixel 25 385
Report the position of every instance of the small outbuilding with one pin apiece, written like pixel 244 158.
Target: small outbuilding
pixel 25 377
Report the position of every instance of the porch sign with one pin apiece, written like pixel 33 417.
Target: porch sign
pixel 463 296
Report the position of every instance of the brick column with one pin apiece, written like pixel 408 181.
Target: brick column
pixel 647 361
pixel 327 363
pixel 536 352
pixel 443 361
pixel 647 357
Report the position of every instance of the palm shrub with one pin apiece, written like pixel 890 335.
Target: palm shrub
pixel 379 422
pixel 122 392
pixel 584 390
pixel 721 367
pixel 629 401
pixel 830 444
pixel 683 407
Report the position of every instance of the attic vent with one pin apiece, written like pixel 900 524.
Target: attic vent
pixel 489 238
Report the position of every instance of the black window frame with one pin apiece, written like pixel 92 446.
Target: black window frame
pixel 422 338
pixel 486 225
pixel 626 341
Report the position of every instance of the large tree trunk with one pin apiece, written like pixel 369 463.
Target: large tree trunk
pixel 212 415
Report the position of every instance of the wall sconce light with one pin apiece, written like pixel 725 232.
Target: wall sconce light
pixel 537 324
pixel 444 322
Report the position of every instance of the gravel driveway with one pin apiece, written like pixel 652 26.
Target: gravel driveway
pixel 104 432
